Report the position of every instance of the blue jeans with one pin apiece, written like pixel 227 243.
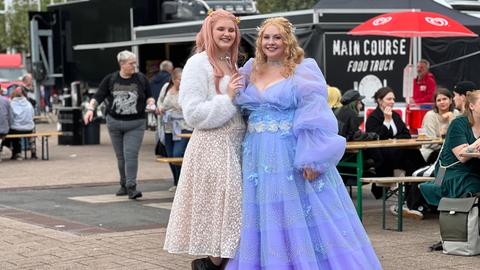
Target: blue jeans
pixel 175 149
pixel 126 137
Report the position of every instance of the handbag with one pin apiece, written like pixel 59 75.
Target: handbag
pixel 459 225
pixel 160 149
pixel 429 170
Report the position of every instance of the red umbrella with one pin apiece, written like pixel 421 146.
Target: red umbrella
pixel 412 24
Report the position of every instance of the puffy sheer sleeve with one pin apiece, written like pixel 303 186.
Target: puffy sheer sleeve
pixel 200 108
pixel 242 99
pixel 246 70
pixel 318 144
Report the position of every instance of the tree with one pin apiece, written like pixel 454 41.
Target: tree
pixel 14 24
pixel 269 6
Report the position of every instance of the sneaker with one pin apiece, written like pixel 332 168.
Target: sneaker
pixel 393 209
pixel 17 157
pixel 173 189
pixel 436 247
pixel 410 213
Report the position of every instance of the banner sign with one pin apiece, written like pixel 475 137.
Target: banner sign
pixel 365 63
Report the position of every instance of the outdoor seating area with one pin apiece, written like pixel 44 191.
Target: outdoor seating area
pixel 44 136
pixel 394 186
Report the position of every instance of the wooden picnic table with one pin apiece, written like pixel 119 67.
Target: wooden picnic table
pixel 353 157
pixel 184 135
pixel 390 182
pixel 43 135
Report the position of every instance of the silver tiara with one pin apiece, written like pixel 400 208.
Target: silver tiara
pixel 290 25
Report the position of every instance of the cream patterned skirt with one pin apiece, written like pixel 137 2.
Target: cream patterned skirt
pixel 206 212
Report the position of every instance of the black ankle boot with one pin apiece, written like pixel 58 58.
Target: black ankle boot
pixel 122 191
pixel 133 194
pixel 204 264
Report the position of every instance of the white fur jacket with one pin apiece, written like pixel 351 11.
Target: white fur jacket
pixel 202 107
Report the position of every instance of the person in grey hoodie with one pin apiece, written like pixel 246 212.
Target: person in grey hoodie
pixel 5 112
pixel 21 120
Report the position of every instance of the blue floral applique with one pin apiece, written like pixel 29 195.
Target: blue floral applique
pixel 318 185
pixel 253 178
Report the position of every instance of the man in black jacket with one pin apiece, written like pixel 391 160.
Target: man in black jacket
pixel 163 77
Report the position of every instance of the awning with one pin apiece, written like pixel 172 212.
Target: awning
pixel 186 31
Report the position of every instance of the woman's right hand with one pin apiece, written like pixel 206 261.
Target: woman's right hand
pixel 448 116
pixel 87 118
pixel 387 113
pixel 236 82
pixel 159 111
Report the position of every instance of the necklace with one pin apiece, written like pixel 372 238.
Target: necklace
pixel 274 62
pixel 226 59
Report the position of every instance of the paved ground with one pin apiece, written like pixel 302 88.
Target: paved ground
pixel 60 214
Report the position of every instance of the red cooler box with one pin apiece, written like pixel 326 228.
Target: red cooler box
pixel 415 114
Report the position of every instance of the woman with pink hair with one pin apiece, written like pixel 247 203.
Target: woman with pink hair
pixel 206 211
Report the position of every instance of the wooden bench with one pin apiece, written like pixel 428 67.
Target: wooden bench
pixel 391 182
pixel 41 119
pixel 43 135
pixel 172 160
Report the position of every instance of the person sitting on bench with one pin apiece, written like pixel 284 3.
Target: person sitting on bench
pixel 21 121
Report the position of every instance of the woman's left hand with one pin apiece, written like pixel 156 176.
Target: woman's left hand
pixel 309 174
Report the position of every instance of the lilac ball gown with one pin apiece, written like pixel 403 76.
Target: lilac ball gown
pixel 287 221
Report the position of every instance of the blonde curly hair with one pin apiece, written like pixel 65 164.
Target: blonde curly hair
pixel 293 54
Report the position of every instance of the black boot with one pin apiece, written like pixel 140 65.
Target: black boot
pixel 133 194
pixel 122 191
pixel 204 264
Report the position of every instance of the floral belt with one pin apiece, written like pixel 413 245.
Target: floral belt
pixel 269 126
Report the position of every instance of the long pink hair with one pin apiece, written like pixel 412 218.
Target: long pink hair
pixel 205 42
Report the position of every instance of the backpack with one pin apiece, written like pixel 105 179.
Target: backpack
pixel 459 225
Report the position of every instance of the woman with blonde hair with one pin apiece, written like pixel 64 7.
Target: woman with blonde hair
pixel 296 211
pixel 206 211
pixel 334 97
pixel 463 175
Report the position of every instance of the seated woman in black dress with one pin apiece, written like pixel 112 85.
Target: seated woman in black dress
pixel 389 125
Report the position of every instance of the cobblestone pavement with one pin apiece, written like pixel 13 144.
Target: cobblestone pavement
pixel 29 239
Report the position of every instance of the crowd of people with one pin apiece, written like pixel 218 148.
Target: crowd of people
pixel 258 187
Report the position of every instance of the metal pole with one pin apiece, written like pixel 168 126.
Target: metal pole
pixel 133 37
pixel 34 43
